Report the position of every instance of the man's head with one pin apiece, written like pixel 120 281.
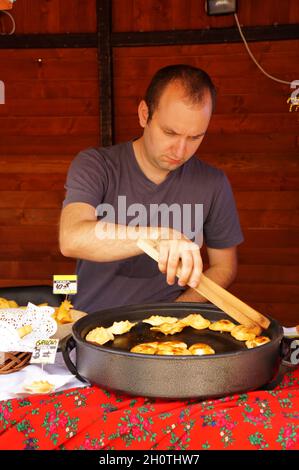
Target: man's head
pixel 175 115
pixel 195 82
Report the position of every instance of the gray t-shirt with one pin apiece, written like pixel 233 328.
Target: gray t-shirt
pixel 111 176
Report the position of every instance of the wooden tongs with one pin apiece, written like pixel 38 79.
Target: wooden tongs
pixel 234 307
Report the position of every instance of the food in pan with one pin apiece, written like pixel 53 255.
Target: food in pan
pixel 145 348
pixel 167 348
pixel 201 349
pixel 156 320
pixel 172 348
pixel 242 333
pixel 24 330
pixel 173 352
pixel 258 341
pixel 196 321
pixel 99 335
pixel 169 328
pixel 121 327
pixel 39 386
pixel 173 344
pixel 222 325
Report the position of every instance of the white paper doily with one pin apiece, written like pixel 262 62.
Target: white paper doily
pixel 40 318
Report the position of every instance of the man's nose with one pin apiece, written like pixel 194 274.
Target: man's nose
pixel 180 149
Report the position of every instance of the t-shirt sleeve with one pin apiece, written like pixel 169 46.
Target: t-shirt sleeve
pixel 86 179
pixel 222 227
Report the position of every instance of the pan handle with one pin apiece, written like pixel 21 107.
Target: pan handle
pixel 66 345
pixel 286 365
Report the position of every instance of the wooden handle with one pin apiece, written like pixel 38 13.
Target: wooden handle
pixel 234 302
pixel 220 297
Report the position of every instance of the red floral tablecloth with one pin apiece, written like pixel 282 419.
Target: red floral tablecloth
pixel 92 418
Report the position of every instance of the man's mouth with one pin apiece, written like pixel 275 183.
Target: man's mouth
pixel 173 161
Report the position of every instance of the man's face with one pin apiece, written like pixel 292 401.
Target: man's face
pixel 176 129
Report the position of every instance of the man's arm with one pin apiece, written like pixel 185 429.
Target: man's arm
pixel 83 236
pixel 222 270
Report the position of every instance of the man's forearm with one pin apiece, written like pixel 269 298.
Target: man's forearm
pixel 97 241
pixel 222 276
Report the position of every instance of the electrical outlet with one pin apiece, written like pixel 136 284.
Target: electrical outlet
pixel 221 7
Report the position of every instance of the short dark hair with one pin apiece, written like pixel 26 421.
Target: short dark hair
pixel 195 81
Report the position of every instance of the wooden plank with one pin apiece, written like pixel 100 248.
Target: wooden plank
pixel 54 16
pixel 225 66
pixel 271 200
pixel 150 15
pixel 32 182
pixel 30 217
pixel 272 274
pixel 269 218
pixel 46 145
pixel 51 89
pixel 47 126
pixel 286 314
pixel 272 238
pixel 49 107
pixel 267 180
pixel 49 68
pixel 253 161
pixel 12 165
pixel 27 251
pixel 256 255
pixel 54 54
pixel 31 199
pixel 33 270
pixel 262 292
pixel 26 282
pixel 41 235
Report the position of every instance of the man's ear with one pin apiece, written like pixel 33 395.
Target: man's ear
pixel 143 113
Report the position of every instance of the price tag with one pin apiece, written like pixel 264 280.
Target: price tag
pixel 44 351
pixel 65 284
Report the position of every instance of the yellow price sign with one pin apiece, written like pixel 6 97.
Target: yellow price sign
pixel 65 284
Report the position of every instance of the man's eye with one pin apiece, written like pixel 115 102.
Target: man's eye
pixel 169 133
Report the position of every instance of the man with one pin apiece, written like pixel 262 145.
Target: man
pixel 157 169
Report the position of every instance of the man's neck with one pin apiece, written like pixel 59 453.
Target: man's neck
pixel 155 175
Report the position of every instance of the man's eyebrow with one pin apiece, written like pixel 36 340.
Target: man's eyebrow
pixel 167 129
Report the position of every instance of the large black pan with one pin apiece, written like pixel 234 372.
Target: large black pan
pixel 233 368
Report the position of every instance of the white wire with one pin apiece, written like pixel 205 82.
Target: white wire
pixel 13 23
pixel 253 58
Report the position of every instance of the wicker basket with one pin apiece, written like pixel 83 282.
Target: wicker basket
pixel 13 361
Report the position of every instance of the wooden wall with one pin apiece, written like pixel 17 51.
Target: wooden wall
pixel 52 112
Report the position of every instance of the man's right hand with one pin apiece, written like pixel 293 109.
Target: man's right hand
pixel 180 253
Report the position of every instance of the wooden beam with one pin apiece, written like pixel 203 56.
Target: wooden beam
pixel 104 21
pixel 42 41
pixel 205 36
pixel 151 38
